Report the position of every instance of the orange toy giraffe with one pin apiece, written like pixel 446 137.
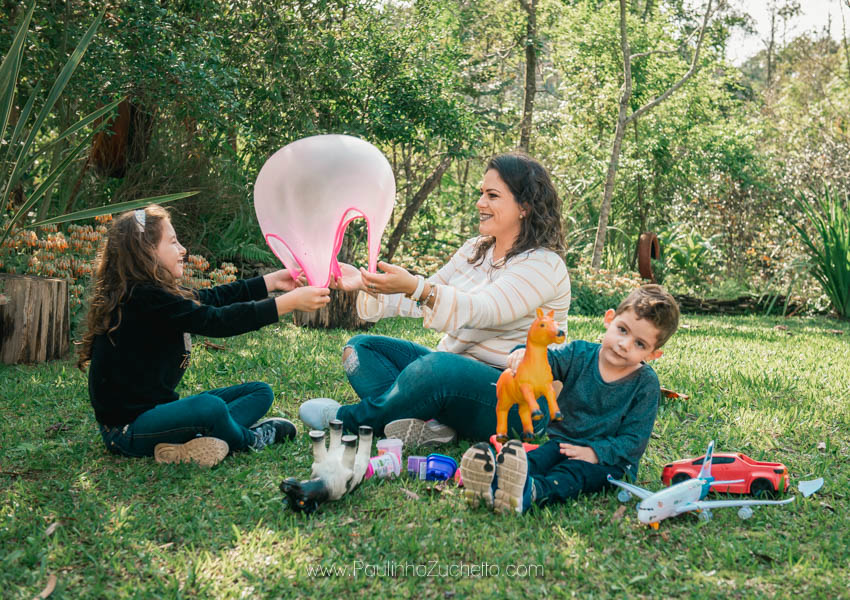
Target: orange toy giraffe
pixel 533 379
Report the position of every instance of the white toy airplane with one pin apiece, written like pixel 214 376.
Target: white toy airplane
pixel 685 497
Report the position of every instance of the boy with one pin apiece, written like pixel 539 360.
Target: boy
pixel 609 400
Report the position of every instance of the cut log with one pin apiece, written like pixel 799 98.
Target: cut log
pixel 340 312
pixel 34 320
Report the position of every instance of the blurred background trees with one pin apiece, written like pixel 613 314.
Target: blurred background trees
pixel 213 88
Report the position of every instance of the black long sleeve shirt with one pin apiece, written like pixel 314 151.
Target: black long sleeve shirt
pixel 139 365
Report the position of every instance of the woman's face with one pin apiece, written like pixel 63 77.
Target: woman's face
pixel 498 211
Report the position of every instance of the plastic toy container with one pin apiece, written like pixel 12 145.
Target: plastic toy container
pixel 416 466
pixel 439 467
pixel 393 445
pixel 383 466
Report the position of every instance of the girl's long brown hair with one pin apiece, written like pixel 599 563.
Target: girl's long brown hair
pixel 126 258
pixel 533 190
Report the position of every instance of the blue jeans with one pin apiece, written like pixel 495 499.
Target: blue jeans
pixel 225 413
pixel 557 477
pixel 397 379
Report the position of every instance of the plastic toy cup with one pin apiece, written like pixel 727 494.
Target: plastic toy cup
pixel 393 445
pixel 439 467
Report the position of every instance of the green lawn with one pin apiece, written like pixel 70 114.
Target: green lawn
pixel 110 527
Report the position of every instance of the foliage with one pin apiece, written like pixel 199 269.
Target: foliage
pixel 49 251
pixel 116 527
pixel 595 291
pixel 828 245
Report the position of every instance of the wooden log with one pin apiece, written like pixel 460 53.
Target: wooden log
pixel 34 320
pixel 340 312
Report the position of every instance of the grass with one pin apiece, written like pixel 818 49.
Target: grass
pixel 111 527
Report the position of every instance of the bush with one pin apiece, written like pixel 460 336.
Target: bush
pixel 594 292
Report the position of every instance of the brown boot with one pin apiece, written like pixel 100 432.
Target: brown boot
pixel 205 451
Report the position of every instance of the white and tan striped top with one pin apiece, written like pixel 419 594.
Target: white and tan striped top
pixel 485 311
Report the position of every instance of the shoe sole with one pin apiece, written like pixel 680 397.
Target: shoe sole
pixel 478 468
pixel 415 433
pixel 291 424
pixel 204 451
pixel 512 471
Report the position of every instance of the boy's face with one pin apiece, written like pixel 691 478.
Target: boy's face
pixel 628 340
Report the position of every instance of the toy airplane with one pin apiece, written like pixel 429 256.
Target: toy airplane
pixel 685 497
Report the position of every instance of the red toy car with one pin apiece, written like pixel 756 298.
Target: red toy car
pixel 760 478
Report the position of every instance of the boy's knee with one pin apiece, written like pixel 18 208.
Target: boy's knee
pixel 350 362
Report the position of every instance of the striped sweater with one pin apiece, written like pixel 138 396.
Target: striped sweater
pixel 485 311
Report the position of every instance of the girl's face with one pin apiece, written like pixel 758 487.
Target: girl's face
pixel 169 252
pixel 498 211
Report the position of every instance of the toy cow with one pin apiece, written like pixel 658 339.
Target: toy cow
pixel 336 470
pixel 533 379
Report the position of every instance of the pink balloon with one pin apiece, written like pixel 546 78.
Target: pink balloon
pixel 310 190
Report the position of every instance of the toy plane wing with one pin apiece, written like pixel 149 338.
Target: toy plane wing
pixel 704 504
pixel 632 489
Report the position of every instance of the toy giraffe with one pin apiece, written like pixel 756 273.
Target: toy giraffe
pixel 533 379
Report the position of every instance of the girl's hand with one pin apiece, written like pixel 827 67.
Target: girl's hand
pixel 282 281
pixel 393 280
pixel 349 281
pixel 584 453
pixel 305 298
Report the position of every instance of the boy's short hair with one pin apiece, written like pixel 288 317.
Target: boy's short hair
pixel 653 302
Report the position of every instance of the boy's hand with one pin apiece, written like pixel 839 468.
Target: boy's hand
pixel 585 453
pixel 514 358
pixel 306 299
pixel 282 281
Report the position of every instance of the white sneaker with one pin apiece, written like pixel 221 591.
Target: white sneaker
pixel 416 432
pixel 318 412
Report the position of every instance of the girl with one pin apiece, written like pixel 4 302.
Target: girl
pixel 139 346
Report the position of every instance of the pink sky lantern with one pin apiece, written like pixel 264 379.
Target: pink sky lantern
pixel 310 190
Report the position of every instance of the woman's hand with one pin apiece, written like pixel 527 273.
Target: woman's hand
pixel 349 281
pixel 393 280
pixel 282 281
pixel 514 358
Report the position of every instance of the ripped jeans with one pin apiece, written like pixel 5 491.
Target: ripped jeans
pixel 397 379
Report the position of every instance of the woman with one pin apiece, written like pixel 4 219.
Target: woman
pixel 484 299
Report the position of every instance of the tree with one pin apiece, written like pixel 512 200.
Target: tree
pixel 530 7
pixel 624 117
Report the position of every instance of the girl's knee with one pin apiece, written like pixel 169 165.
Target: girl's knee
pixel 209 408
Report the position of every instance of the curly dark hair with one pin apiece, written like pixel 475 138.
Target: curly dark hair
pixel 533 190
pixel 126 258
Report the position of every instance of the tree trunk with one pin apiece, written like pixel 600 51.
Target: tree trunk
pixel 530 74
pixel 414 205
pixel 34 319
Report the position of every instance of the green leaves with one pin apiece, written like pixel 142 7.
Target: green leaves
pixel 829 244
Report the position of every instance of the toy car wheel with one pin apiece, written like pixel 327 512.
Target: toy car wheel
pixel 679 478
pixel 761 488
pixel 745 512
pixel 623 496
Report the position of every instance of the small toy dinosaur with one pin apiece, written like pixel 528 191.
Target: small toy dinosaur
pixel 533 379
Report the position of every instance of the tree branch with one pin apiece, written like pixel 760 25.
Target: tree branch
pixel 658 100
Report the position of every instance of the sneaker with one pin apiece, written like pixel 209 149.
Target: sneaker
pixel 514 488
pixel 419 433
pixel 478 470
pixel 205 451
pixel 272 431
pixel 318 412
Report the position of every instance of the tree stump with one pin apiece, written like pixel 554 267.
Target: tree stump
pixel 340 312
pixel 34 320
